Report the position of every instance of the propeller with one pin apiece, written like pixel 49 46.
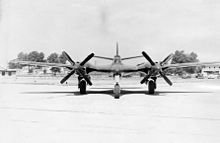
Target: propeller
pixel 148 58
pixel 156 68
pixel 166 60
pixel 166 78
pixel 146 78
pixel 77 68
pixel 68 58
pixel 87 59
pixel 67 76
pixel 83 74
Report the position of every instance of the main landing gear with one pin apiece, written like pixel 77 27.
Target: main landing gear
pixel 151 85
pixel 117 91
pixel 82 85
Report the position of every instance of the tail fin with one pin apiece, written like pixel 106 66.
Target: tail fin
pixel 117 49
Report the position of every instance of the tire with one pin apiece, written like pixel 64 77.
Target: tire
pixel 117 97
pixel 151 87
pixel 82 87
pixel 117 91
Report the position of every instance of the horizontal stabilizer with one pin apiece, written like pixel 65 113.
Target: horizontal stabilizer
pixel 128 58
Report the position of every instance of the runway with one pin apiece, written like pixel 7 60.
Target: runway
pixel 187 112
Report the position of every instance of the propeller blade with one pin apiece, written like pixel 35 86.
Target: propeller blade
pixel 87 80
pixel 68 58
pixel 167 59
pixel 166 78
pixel 148 58
pixel 146 78
pixel 82 73
pixel 67 76
pixel 87 59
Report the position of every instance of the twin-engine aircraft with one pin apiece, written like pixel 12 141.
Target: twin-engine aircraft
pixel 151 69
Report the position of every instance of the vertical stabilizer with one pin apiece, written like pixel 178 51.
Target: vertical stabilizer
pixel 117 49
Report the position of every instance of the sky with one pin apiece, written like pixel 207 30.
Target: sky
pixel 79 27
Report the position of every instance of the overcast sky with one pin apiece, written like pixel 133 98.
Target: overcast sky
pixel 80 27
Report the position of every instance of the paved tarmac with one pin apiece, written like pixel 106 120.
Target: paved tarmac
pixel 187 112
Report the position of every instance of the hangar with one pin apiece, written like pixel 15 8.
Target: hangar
pixel 211 70
pixel 9 72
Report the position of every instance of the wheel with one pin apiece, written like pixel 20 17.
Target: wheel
pixel 116 96
pixel 117 91
pixel 82 87
pixel 151 87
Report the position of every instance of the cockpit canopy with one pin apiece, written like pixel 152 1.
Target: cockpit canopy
pixel 117 59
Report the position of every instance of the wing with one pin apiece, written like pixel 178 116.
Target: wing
pixel 42 64
pixel 128 69
pixel 113 68
pixel 106 68
pixel 182 65
pixel 144 67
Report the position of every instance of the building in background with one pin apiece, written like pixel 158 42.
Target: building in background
pixel 212 71
pixel 7 72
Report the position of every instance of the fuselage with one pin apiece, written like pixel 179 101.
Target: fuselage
pixel 117 67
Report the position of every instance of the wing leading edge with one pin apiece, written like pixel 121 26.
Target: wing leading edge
pixel 183 65
pixel 42 64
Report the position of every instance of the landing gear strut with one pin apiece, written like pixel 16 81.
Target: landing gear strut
pixel 152 85
pixel 117 89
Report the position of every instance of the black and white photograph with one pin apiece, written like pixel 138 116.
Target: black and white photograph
pixel 110 71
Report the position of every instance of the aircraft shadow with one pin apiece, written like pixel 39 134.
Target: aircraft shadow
pixel 128 92
pixel 110 92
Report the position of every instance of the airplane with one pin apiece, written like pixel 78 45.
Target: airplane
pixel 151 69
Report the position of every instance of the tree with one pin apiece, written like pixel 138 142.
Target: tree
pixel 36 56
pixel 39 57
pixel 182 57
pixel 13 65
pixel 22 56
pixel 62 59
pixel 54 58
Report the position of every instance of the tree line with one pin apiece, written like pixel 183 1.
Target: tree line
pixel 179 57
pixel 36 56
pixel 182 57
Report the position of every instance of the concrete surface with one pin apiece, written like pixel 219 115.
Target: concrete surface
pixel 187 112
